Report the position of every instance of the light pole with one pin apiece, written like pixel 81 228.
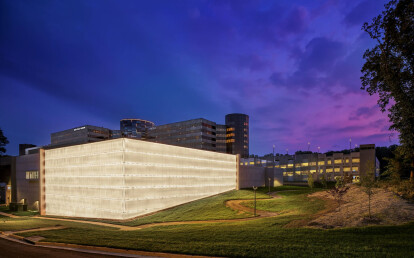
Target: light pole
pixel 255 188
pixel 269 185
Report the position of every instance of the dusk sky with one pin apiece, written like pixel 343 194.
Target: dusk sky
pixel 292 66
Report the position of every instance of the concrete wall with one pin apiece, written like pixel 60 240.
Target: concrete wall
pixel 367 159
pixel 250 176
pixel 26 188
pixel 125 178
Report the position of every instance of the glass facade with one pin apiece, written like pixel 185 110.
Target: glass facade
pixel 196 133
pixel 135 128
pixel 237 137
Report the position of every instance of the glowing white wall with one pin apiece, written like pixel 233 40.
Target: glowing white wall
pixel 124 178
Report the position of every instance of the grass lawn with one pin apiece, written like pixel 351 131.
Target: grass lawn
pixel 211 208
pixel 267 237
pixel 291 201
pixel 5 209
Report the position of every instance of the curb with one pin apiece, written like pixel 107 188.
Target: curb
pixel 115 250
pixel 97 249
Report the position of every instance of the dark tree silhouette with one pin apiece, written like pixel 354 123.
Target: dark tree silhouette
pixel 389 68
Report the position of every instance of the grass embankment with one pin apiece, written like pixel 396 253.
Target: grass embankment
pixel 293 202
pixel 211 208
pixel 267 237
pixel 5 209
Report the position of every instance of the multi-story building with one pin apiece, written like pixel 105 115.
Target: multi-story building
pixel 196 133
pixel 221 138
pixel 297 168
pixel 79 135
pixel 135 128
pixel 237 137
pixel 232 138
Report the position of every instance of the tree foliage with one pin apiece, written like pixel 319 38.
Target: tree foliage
pixel 3 143
pixel 389 67
pixel 311 183
pixel 398 166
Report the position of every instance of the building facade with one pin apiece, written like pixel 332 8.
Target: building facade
pixel 80 135
pixel 120 178
pixel 28 180
pixel 196 133
pixel 237 136
pixel 297 168
pixel 135 128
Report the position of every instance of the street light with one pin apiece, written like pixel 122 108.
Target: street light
pixel 255 188
pixel 269 185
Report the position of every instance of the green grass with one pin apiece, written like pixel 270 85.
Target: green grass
pixel 291 201
pixel 267 237
pixel 5 209
pixel 211 208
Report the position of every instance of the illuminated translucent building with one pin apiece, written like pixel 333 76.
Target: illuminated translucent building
pixel 120 178
pixel 196 133
pixel 135 128
pixel 237 137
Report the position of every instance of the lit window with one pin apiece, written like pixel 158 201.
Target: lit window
pixel 337 170
pixel 313 171
pixel 329 170
pixel 321 163
pixel 305 164
pixel 283 166
pixel 32 175
pixel 338 161
pixel 313 163
pixel 329 161
pixel 290 165
pixel 354 168
pixel 355 160
pixel 347 169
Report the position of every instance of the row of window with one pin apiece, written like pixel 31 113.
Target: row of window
pixel 329 170
pixel 30 175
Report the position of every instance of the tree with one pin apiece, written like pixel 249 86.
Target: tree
pixel 389 69
pixel 3 143
pixel 323 182
pixel 310 180
pixel 398 166
pixel 368 183
pixel 339 190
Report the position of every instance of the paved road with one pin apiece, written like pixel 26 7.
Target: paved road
pixel 14 249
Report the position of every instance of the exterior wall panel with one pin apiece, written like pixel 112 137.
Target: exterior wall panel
pixel 125 178
pixel 28 190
